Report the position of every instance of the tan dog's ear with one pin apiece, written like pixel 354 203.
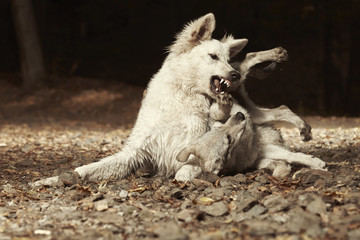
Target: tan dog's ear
pixel 193 33
pixel 183 156
pixel 235 45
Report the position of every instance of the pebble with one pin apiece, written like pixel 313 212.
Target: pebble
pixel 185 215
pixel 354 234
pixel 275 203
pixel 311 205
pixel 123 194
pixel 317 206
pixel 256 210
pixel 42 232
pixel 170 231
pixel 299 221
pixel 101 205
pixel 261 228
pixel 216 209
pixel 69 178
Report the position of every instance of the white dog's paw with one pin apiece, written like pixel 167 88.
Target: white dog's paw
pixel 318 164
pixel 81 171
pixel 91 172
pixel 282 171
pixel 187 173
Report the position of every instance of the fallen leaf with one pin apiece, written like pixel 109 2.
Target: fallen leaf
pixel 139 189
pixel 205 201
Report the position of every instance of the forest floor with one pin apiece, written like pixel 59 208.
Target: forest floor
pixel 51 131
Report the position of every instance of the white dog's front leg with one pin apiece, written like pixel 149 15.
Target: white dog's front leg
pixel 280 153
pixel 187 172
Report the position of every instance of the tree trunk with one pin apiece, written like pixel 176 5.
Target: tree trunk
pixel 32 63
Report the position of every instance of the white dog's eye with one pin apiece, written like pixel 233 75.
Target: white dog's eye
pixel 214 56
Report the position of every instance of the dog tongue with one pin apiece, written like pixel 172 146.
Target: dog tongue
pixel 217 85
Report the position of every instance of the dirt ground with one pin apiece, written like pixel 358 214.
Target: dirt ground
pixel 51 131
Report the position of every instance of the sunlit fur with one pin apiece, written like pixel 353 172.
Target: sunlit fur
pixel 175 110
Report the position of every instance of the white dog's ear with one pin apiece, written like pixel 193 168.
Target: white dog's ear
pixel 235 45
pixel 193 33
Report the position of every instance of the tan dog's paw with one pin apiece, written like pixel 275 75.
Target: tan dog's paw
pixel 225 100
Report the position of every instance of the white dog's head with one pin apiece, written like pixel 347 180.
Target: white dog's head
pixel 203 62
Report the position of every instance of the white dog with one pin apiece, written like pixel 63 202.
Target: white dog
pixel 175 109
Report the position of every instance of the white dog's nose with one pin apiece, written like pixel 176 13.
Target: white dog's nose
pixel 235 75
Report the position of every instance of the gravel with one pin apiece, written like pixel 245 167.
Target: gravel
pixel 309 204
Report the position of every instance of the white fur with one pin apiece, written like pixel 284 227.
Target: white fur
pixel 175 110
pixel 239 144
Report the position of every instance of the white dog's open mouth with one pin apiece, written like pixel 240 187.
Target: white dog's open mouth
pixel 219 84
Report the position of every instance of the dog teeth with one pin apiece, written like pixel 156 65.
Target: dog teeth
pixel 224 81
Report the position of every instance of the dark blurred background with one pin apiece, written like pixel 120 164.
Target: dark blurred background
pixel 125 40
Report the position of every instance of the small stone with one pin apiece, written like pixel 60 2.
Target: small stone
pixel 201 184
pixel 209 177
pixel 299 221
pixel 9 189
pixel 216 210
pixel 228 181
pixel 51 181
pixel 69 178
pixel 77 194
pixel 101 205
pixel 170 231
pixel 256 210
pixel 25 163
pixel 42 232
pixel 123 194
pixel 260 228
pixel 176 193
pixel 275 203
pixel 354 234
pixel 352 197
pixel 186 204
pixel 215 193
pixel 311 176
pixel 241 178
pixel 263 179
pixel 317 206
pixel 245 201
pixel 305 199
pixel 68 209
pixel 185 215
pixel 26 148
pixel 351 209
pixel 110 218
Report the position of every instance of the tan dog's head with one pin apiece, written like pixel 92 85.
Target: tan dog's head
pixel 214 148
